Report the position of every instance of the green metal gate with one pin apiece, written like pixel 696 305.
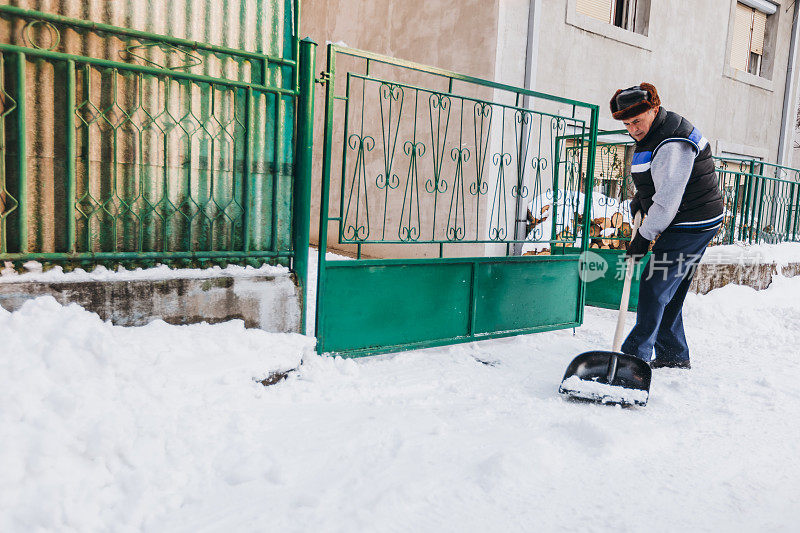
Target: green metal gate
pixel 427 176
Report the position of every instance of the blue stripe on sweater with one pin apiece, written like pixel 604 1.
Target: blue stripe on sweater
pixel 640 158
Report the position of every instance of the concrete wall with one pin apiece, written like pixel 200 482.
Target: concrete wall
pixel 431 33
pixel 268 302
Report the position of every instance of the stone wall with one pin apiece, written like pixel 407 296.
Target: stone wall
pixel 710 276
pixel 268 302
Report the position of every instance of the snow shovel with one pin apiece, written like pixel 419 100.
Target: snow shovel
pixel 611 377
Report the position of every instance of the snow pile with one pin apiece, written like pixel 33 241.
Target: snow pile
pixel 603 392
pixel 110 428
pixel 100 273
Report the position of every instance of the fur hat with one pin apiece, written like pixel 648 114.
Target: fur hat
pixel 627 103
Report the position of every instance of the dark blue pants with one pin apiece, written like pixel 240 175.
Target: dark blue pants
pixel 664 284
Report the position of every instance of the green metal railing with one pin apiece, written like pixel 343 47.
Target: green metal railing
pixel 762 201
pixel 451 168
pixel 445 166
pixel 158 149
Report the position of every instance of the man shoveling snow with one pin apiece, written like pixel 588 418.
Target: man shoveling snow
pixel 678 190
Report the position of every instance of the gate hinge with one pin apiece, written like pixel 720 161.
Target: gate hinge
pixel 324 77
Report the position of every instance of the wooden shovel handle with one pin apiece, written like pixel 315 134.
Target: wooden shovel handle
pixel 626 290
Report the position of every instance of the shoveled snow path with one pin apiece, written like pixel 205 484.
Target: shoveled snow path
pixel 162 429
pixel 435 440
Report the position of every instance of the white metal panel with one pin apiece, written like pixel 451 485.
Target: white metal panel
pixel 759 30
pixel 761 5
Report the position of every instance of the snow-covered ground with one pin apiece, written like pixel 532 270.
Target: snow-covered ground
pixel 163 428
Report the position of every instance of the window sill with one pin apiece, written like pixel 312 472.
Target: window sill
pixel 741 150
pixel 746 77
pixel 604 29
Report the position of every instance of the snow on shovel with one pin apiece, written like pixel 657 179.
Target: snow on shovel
pixel 611 377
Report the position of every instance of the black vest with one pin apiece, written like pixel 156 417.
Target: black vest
pixel 701 207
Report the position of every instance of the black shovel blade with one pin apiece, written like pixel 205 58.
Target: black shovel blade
pixel 587 378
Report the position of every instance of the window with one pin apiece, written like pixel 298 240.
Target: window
pixel 620 13
pixel 749 33
pixel 625 21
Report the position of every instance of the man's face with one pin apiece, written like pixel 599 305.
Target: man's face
pixel 639 125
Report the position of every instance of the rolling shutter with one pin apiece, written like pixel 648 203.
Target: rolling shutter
pixel 759 30
pixel 598 9
pixel 742 25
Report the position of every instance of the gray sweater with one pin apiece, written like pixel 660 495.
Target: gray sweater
pixel 671 168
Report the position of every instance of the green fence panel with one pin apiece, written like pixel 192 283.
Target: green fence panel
pixel 761 202
pixel 121 145
pixel 392 305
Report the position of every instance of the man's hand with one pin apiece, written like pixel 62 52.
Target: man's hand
pixel 636 206
pixel 637 248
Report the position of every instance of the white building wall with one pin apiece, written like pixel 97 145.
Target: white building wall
pixel 685 55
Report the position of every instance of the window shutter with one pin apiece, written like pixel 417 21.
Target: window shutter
pixel 598 9
pixel 740 48
pixel 759 30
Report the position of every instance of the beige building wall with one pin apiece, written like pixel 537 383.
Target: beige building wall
pixel 430 32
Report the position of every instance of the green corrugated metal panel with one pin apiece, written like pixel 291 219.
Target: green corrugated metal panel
pixel 158 145
pixel 260 26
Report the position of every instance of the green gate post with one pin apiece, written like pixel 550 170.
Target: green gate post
pixel 556 154
pixel 303 152
pixel 731 237
pixel 747 215
pixel 587 208
pixel 795 208
pixel 760 205
pixel 789 211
